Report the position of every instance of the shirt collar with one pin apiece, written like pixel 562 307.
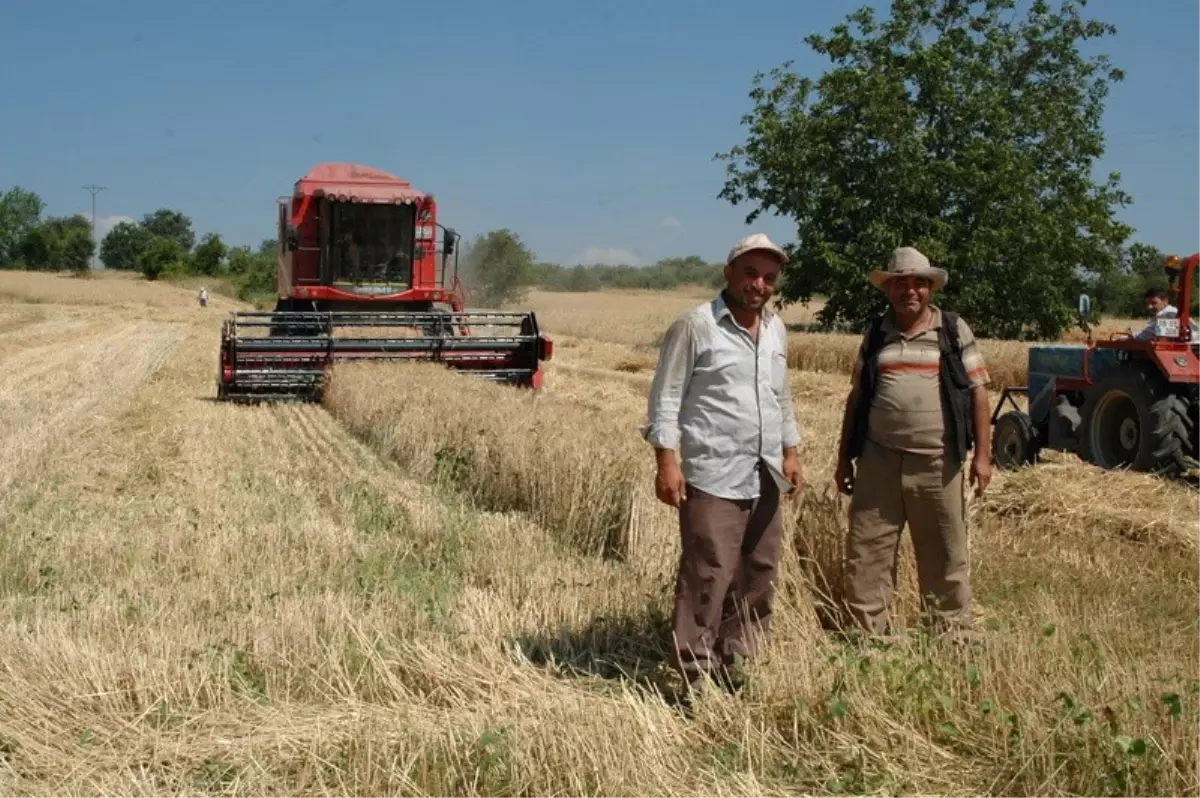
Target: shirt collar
pixel 889 320
pixel 720 309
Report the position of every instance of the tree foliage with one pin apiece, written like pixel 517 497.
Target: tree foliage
pixel 255 269
pixel 60 242
pixel 161 256
pixel 1120 291
pixel 500 268
pixel 209 257
pixel 123 244
pixel 172 224
pixel 20 212
pixel 135 246
pixel 954 127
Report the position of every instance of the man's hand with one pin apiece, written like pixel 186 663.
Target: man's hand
pixel 843 476
pixel 794 472
pixel 981 472
pixel 669 484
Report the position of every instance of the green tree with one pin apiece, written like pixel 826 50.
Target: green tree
pixel 60 242
pixel 1117 291
pixel 256 269
pixel 161 255
pixel 123 245
pixel 580 279
pixel 952 126
pixel 501 268
pixel 209 257
pixel 171 224
pixel 20 212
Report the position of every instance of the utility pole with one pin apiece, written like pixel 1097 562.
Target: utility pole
pixel 94 190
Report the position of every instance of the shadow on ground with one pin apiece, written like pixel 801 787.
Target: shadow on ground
pixel 633 649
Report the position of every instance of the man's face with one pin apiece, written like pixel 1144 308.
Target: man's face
pixel 751 279
pixel 909 295
pixel 1154 304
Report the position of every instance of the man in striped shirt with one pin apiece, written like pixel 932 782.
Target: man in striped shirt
pixel 910 419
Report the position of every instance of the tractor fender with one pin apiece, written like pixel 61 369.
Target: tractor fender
pixel 1177 364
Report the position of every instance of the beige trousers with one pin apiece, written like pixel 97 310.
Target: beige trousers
pixel 891 489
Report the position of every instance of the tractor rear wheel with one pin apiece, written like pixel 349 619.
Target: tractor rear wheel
pixel 1132 419
pixel 1014 442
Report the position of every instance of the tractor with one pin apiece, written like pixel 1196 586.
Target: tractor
pixel 359 277
pixel 1124 402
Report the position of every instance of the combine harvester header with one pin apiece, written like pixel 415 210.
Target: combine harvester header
pixel 362 275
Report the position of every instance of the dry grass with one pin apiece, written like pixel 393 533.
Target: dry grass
pixel 833 353
pixel 503 448
pixel 632 318
pixel 634 322
pixel 206 599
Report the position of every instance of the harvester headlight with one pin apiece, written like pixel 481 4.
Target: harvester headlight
pixel 1172 262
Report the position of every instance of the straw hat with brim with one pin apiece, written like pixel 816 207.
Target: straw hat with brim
pixel 909 262
pixel 758 241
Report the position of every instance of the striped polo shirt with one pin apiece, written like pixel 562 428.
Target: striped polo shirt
pixel 906 412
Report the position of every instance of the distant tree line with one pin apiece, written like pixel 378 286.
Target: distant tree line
pixel 161 245
pixel 666 274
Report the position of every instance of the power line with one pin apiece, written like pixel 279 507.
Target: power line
pixel 95 190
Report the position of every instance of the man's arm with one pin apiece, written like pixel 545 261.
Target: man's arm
pixel 790 432
pixel 847 422
pixel 843 475
pixel 981 421
pixel 982 418
pixel 793 469
pixel 676 359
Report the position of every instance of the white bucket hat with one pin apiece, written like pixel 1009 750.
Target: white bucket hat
pixel 753 242
pixel 908 261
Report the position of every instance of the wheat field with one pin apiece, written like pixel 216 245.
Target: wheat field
pixel 433 585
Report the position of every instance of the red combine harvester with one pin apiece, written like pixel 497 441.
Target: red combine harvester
pixel 362 276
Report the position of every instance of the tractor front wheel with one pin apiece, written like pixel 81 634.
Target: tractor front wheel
pixel 1014 442
pixel 1131 419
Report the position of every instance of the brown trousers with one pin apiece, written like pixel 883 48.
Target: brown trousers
pixel 726 581
pixel 892 488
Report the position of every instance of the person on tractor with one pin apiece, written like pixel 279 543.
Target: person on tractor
pixel 1158 306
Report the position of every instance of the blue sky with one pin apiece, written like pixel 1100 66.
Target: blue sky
pixel 588 128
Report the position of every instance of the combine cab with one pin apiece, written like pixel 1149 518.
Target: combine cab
pixel 1122 402
pixel 362 275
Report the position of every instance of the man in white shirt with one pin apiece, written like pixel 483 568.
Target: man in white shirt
pixel 1158 306
pixel 720 393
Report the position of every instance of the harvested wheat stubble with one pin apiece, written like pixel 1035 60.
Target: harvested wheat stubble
pixel 1065 496
pixel 575 470
pixel 270 607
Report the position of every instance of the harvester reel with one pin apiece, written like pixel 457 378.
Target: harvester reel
pixel 1014 440
pixel 1132 419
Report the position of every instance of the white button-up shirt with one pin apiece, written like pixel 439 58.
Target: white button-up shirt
pixel 1150 331
pixel 723 399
